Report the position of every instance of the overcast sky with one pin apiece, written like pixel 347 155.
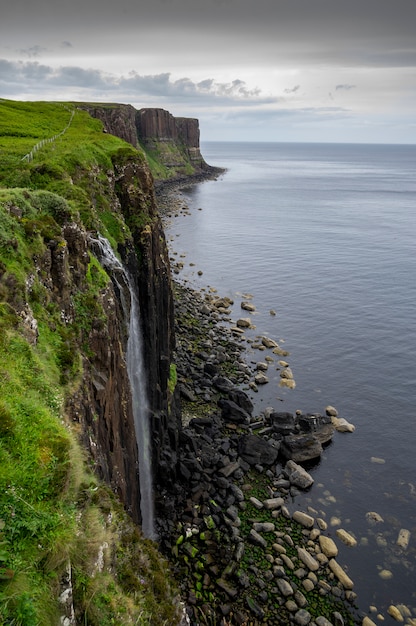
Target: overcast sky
pixel 266 70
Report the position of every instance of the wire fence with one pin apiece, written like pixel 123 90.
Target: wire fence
pixel 29 156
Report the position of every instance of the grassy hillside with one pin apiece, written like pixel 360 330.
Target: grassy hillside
pixel 54 514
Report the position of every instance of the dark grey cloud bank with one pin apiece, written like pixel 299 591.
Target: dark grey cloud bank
pixel 378 31
pixel 289 61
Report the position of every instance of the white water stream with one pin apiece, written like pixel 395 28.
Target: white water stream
pixel 137 377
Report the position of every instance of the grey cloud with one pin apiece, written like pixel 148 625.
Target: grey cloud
pixel 17 77
pixel 292 90
pixel 185 88
pixel 33 51
pixel 78 77
pixel 345 86
pixel 66 44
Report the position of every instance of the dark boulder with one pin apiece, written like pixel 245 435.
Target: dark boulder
pixel 241 398
pixel 283 423
pixel 232 412
pixel 300 448
pixel 257 451
pixel 319 425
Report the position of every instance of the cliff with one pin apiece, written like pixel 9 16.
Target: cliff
pixel 64 377
pixel 170 143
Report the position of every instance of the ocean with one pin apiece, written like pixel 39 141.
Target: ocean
pixel 325 236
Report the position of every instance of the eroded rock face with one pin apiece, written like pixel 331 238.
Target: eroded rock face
pixel 153 127
pixel 148 265
pixel 101 404
pixel 157 125
pixel 119 120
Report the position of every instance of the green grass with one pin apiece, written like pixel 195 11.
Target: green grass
pixel 74 166
pixel 53 510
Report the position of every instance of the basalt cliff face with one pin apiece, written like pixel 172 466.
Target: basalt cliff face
pixel 172 142
pixel 102 404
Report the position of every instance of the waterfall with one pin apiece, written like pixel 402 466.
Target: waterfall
pixel 137 377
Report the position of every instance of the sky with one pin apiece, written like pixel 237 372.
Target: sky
pixel 249 70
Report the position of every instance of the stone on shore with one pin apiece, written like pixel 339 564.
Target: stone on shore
pixel 282 422
pixel 261 379
pixel 341 425
pixel 337 570
pixel 331 411
pixel 269 343
pixel 257 539
pixel 307 559
pixel 373 518
pixel 248 306
pixel 255 450
pixel 300 448
pixel 272 504
pixel 304 519
pixel 346 538
pixel 328 546
pixel 403 538
pixel 285 587
pixel 395 613
pixel 286 373
pixel 232 412
pixel 297 475
pixel 244 322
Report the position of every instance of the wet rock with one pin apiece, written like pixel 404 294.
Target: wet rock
pixel 341 425
pixel 269 343
pixel 373 518
pixel 302 617
pixel 297 475
pixel 284 587
pixel 322 621
pixel 255 450
pixel 232 412
pixel 254 608
pixel 282 422
pixel 257 539
pixel 337 570
pixel 241 399
pixel 261 379
pixel 346 538
pixel 223 384
pixel 403 538
pixel 232 592
pixel 395 613
pixel 272 504
pixel 328 546
pixel 304 519
pixel 286 373
pixel 264 527
pixel 300 448
pixel 307 559
pixel 331 411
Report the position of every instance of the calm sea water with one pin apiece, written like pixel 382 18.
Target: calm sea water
pixel 326 236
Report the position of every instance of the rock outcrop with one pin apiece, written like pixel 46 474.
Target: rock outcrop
pixel 172 141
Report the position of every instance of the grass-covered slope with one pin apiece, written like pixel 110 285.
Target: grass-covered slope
pixel 66 546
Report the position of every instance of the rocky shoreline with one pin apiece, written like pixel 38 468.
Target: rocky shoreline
pixel 239 554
